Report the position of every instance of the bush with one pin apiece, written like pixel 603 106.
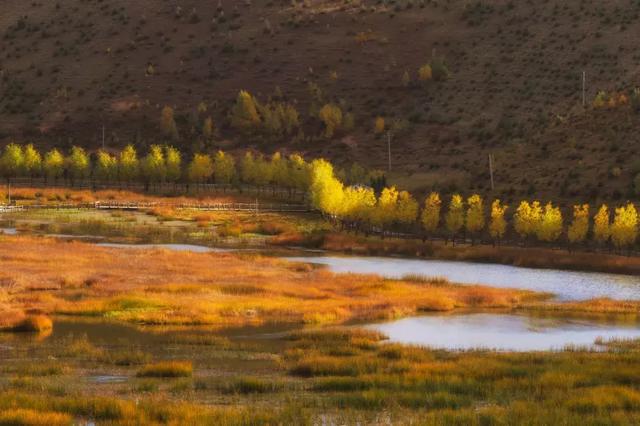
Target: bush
pixel 34 324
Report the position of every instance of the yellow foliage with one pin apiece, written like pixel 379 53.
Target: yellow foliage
pixel 407 208
pixel 602 225
pixel 425 73
pixel 550 225
pixel 624 229
pixel 579 228
pixel 527 218
pixel 475 214
pixel 498 225
pixel 379 125
pixel 431 213
pixel 327 192
pixel 331 116
pixel 455 216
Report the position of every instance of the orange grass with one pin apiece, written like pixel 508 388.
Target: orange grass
pixel 68 195
pixel 165 287
pixel 34 418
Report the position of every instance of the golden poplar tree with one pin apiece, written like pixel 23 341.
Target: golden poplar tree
pixel 32 161
pixel 455 216
pixel 386 209
pixel 549 226
pixel 602 225
pixel 579 228
pixel 53 164
pixel 327 192
pixel 407 209
pixel 430 217
pixel 475 220
pixel 498 225
pixel 224 168
pixel 200 169
pixel 624 230
pixel 244 114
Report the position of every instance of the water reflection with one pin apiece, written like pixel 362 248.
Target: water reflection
pixel 501 332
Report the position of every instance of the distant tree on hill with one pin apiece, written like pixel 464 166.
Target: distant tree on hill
pixel 168 123
pixel 379 125
pixel 208 128
pixel 331 115
pixel 425 73
pixel 244 114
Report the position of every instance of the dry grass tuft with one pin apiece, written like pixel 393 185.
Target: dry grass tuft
pixel 167 369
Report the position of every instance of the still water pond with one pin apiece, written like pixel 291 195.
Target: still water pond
pixel 566 285
pixel 502 332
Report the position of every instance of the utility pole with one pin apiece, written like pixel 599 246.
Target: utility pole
pixel 584 89
pixel 491 170
pixel 389 149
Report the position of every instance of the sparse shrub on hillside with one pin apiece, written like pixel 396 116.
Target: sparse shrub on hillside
pixel 425 73
pixel 635 100
pixel 208 128
pixel 439 69
pixel 331 116
pixel 406 79
pixel 168 123
pixel 379 125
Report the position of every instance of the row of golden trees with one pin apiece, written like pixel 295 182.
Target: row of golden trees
pixel 161 164
pixel 357 206
pixel 360 208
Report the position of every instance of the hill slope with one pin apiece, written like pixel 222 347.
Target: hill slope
pixel 70 67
